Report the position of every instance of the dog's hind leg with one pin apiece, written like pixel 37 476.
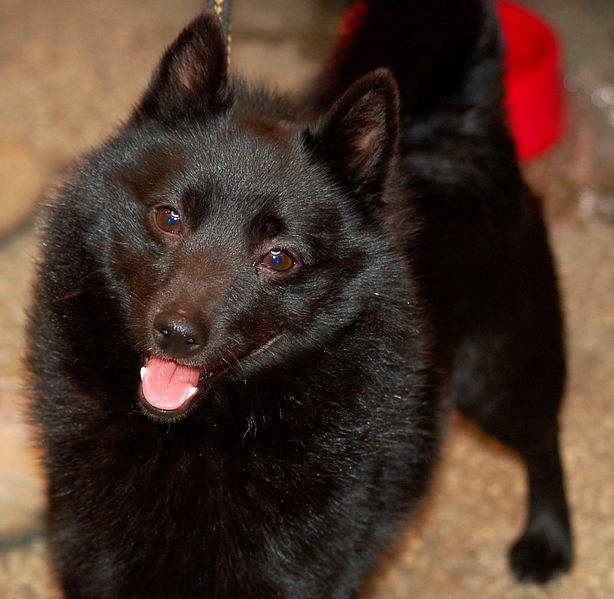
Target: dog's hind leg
pixel 522 415
pixel 545 547
pixel 509 376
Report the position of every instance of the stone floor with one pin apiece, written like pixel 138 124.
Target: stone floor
pixel 71 69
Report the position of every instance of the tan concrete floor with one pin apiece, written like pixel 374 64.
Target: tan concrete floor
pixel 69 70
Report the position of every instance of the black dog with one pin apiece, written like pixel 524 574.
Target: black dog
pixel 305 289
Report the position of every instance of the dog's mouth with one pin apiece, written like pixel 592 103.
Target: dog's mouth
pixel 169 387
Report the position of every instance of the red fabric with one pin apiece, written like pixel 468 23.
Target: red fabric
pixel 352 19
pixel 534 91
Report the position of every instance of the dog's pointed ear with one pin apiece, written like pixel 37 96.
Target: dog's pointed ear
pixel 358 138
pixel 192 76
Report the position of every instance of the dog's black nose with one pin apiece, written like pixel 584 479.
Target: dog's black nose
pixel 179 333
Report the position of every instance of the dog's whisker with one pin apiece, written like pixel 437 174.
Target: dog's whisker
pixel 240 365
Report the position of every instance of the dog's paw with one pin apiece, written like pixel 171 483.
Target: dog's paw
pixel 538 556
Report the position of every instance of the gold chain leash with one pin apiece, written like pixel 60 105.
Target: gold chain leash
pixel 222 9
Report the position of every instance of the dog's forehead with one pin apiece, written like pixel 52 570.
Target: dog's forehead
pixel 253 165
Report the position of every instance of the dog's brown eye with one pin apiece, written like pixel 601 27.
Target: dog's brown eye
pixel 168 219
pixel 277 260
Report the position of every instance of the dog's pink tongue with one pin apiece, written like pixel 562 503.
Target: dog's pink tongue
pixel 167 385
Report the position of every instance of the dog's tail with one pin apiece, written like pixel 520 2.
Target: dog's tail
pixel 447 58
pixel 440 52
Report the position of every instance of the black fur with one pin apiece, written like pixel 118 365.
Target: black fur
pixel 419 277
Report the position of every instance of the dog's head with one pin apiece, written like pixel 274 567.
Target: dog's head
pixel 238 235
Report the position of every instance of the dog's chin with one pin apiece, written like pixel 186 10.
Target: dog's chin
pixel 207 378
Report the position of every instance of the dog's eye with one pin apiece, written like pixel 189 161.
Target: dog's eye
pixel 277 260
pixel 168 219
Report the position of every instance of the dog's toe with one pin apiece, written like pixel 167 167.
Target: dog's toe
pixel 538 556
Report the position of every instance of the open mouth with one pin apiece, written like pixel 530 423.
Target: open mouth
pixel 168 386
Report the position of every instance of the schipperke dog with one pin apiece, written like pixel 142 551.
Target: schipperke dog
pixel 252 316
